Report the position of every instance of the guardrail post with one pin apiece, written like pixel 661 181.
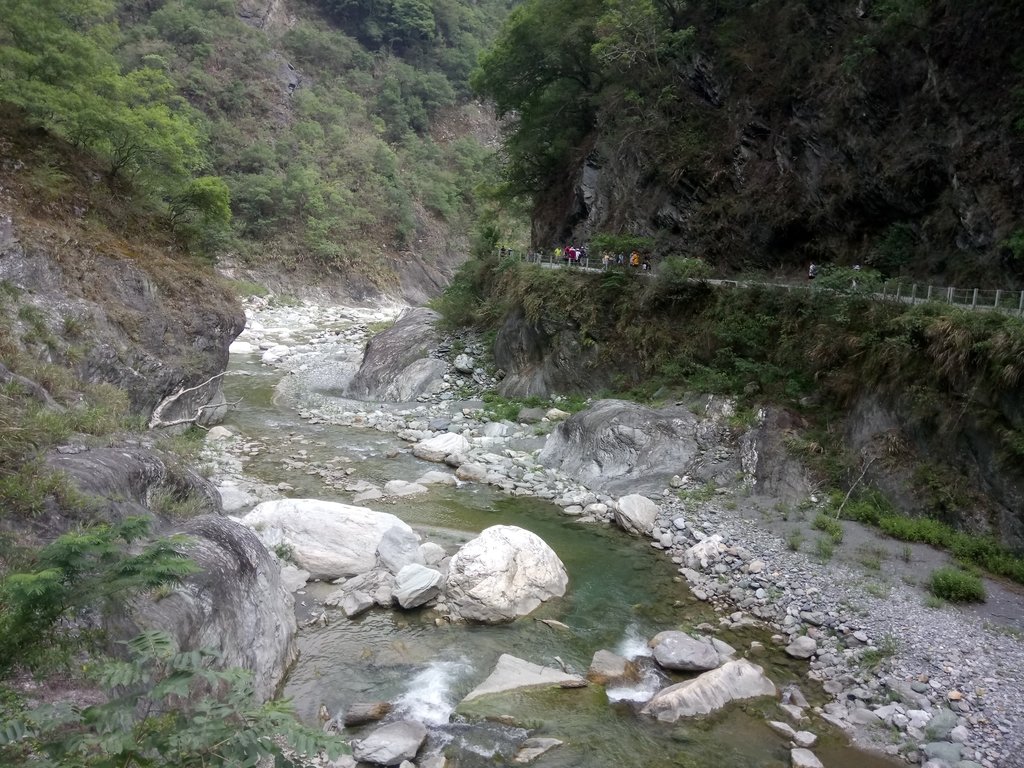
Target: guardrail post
pixel 1020 308
pixel 913 293
pixel 999 294
pixel 897 291
pixel 929 297
pixel 974 299
pixel 949 295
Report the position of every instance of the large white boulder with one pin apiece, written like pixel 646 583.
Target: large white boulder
pixel 710 692
pixel 437 448
pixel 636 514
pixel 328 539
pixel 503 573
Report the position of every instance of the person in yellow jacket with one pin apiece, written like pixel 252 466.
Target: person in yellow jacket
pixel 634 259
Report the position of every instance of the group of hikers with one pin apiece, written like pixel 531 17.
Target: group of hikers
pixel 573 256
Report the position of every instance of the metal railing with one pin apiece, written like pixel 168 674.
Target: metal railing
pixel 901 290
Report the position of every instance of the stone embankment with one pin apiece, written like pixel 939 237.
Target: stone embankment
pixel 932 685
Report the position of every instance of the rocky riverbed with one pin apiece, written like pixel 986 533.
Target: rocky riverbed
pixel 933 685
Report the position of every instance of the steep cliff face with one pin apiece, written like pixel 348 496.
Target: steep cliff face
pixel 113 308
pixel 884 133
pixel 919 403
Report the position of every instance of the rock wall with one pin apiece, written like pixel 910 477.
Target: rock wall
pixel 397 365
pixel 876 139
pixel 962 475
pixel 141 322
pixel 545 358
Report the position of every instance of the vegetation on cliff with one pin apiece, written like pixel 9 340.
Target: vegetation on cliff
pixel 769 135
pixel 336 140
pixel 947 379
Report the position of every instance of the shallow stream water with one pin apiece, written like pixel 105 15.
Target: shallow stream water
pixel 621 592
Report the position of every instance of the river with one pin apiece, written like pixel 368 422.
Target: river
pixel 621 592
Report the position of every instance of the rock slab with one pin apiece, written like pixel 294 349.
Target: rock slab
pixel 512 673
pixel 710 692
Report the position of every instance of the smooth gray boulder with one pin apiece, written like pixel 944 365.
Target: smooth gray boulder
pixel 236 604
pixel 399 546
pixel 804 758
pixel 679 652
pixel 356 603
pixel 434 477
pixel 616 446
pixel 362 713
pixel 439 447
pixel 606 666
pixel 403 488
pixel 472 472
pixel 416 584
pixel 390 744
pixel 511 673
pixel 802 647
pixel 397 366
pixel 636 514
pixel 943 750
pixel 432 553
pixel 941 724
pixel 710 692
pixel 328 539
pixel 503 573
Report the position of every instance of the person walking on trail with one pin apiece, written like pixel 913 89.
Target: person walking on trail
pixel 570 255
pixel 634 259
pixel 606 260
pixel 620 259
pixel 812 271
pixel 558 253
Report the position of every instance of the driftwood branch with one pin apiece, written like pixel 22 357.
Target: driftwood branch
pixel 860 477
pixel 156 420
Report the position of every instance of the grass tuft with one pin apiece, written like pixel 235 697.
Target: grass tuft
pixel 957 586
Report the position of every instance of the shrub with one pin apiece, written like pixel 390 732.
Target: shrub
pixel 831 526
pixel 824 548
pixel 957 586
pixel 163 708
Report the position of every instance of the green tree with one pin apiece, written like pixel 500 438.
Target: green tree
pixel 82 570
pixel 164 708
pixel 542 77
pixel 57 63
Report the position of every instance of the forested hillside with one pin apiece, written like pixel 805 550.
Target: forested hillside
pixel 328 136
pixel 772 134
